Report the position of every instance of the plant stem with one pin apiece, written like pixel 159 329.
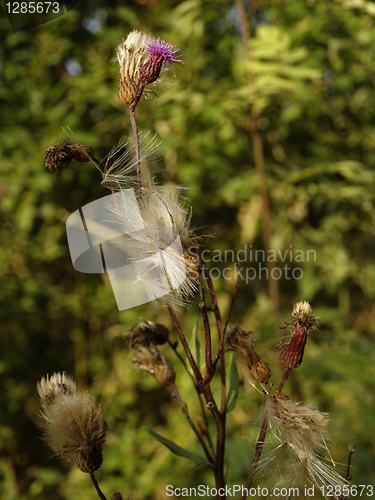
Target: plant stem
pixel 193 364
pixel 184 410
pixel 258 451
pixel 229 313
pixel 283 380
pixel 96 485
pixel 207 334
pixel 137 146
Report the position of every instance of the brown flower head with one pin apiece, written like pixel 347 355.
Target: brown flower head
pixel 61 154
pixel 147 333
pixel 150 360
pixel 242 343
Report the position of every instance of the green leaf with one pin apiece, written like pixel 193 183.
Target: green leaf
pixel 232 375
pixel 178 450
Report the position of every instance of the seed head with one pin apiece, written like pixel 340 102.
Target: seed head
pixel 62 154
pixel 303 434
pixel 74 424
pixel 242 344
pixel 300 425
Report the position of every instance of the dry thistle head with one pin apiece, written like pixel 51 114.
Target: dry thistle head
pixel 302 320
pixel 141 60
pixel 299 425
pixel 242 344
pixel 147 333
pixel 150 360
pixel 74 424
pixel 61 154
pixel 303 434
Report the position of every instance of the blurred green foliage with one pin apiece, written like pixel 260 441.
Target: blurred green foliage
pixel 311 76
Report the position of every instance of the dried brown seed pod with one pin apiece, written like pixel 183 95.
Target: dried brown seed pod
pixel 242 343
pixel 147 333
pixel 62 153
pixel 150 360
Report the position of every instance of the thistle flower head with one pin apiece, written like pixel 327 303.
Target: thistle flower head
pixel 62 154
pixel 302 320
pixel 74 424
pixel 162 54
pixel 141 60
pixel 242 344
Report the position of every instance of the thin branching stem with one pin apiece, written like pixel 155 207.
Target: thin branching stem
pixel 198 391
pixel 193 364
pixel 233 298
pixel 207 334
pixel 184 409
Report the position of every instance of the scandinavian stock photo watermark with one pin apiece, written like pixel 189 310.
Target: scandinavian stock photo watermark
pixel 249 264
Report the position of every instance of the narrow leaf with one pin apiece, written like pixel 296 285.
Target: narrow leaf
pixel 178 450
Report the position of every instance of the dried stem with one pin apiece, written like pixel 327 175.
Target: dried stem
pixel 96 485
pixel 207 336
pixel 185 412
pixel 197 390
pixel 137 147
pixel 193 364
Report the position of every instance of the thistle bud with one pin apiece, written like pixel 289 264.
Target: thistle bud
pixel 62 153
pixel 302 320
pixel 242 344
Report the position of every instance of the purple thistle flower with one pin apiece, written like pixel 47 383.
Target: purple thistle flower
pixel 162 54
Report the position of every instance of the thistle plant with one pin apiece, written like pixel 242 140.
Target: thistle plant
pixel 73 421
